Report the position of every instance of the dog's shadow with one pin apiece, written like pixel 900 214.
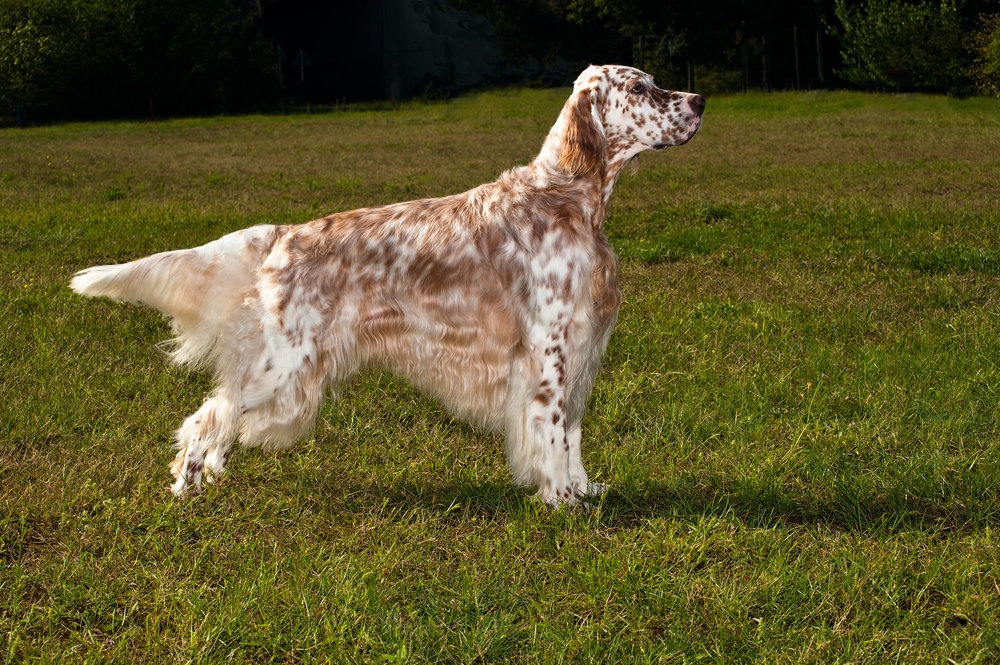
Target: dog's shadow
pixel 632 506
pixel 777 507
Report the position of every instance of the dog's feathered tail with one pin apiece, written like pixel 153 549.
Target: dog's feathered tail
pixel 199 290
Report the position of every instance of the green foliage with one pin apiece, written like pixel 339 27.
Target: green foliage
pixel 542 29
pixel 925 37
pixel 650 27
pixel 986 47
pixel 92 58
pixel 23 51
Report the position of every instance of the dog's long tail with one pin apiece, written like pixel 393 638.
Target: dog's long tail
pixel 200 290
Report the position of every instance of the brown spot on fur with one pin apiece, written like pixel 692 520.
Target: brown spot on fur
pixel 544 397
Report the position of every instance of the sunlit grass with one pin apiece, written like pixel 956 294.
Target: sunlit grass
pixel 798 413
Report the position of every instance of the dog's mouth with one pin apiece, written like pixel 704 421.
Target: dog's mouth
pixel 680 140
pixel 679 137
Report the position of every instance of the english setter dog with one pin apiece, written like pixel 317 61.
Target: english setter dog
pixel 498 302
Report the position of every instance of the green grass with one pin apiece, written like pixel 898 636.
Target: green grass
pixel 798 415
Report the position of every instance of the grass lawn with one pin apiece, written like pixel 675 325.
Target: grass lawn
pixel 798 415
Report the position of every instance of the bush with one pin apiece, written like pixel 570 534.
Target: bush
pixel 94 58
pixel 883 35
pixel 985 71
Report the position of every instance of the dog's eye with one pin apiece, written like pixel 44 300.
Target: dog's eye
pixel 638 89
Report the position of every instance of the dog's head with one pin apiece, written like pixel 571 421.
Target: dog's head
pixel 616 112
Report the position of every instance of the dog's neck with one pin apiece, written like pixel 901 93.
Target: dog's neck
pixel 596 185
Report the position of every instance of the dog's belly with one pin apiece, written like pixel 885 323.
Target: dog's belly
pixel 460 356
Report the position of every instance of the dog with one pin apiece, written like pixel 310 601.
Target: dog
pixel 499 301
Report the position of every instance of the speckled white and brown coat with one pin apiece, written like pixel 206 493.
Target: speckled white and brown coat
pixel 498 301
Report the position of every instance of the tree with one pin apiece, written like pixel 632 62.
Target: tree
pixel 985 71
pixel 23 52
pixel 99 58
pixel 924 37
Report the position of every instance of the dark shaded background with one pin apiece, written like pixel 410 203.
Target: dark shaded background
pixel 148 58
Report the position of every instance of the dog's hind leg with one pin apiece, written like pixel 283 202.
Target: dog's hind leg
pixel 215 461
pixel 272 375
pixel 269 410
pixel 203 443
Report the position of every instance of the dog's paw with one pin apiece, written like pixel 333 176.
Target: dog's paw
pixel 571 500
pixel 557 497
pixel 583 489
pixel 182 489
pixel 188 482
pixel 214 469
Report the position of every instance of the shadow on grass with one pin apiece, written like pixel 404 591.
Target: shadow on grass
pixel 684 499
pixel 463 497
pixel 840 509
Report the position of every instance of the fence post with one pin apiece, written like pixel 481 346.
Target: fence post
pixel 798 75
pixel 690 67
pixel 743 57
pixel 819 53
pixel 763 62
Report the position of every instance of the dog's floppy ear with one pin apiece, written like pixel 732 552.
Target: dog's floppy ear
pixel 583 143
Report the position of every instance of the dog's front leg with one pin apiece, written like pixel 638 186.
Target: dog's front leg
pixel 546 420
pixel 538 392
pixel 577 474
pixel 538 447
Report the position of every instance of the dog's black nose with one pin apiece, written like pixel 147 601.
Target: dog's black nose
pixel 697 103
